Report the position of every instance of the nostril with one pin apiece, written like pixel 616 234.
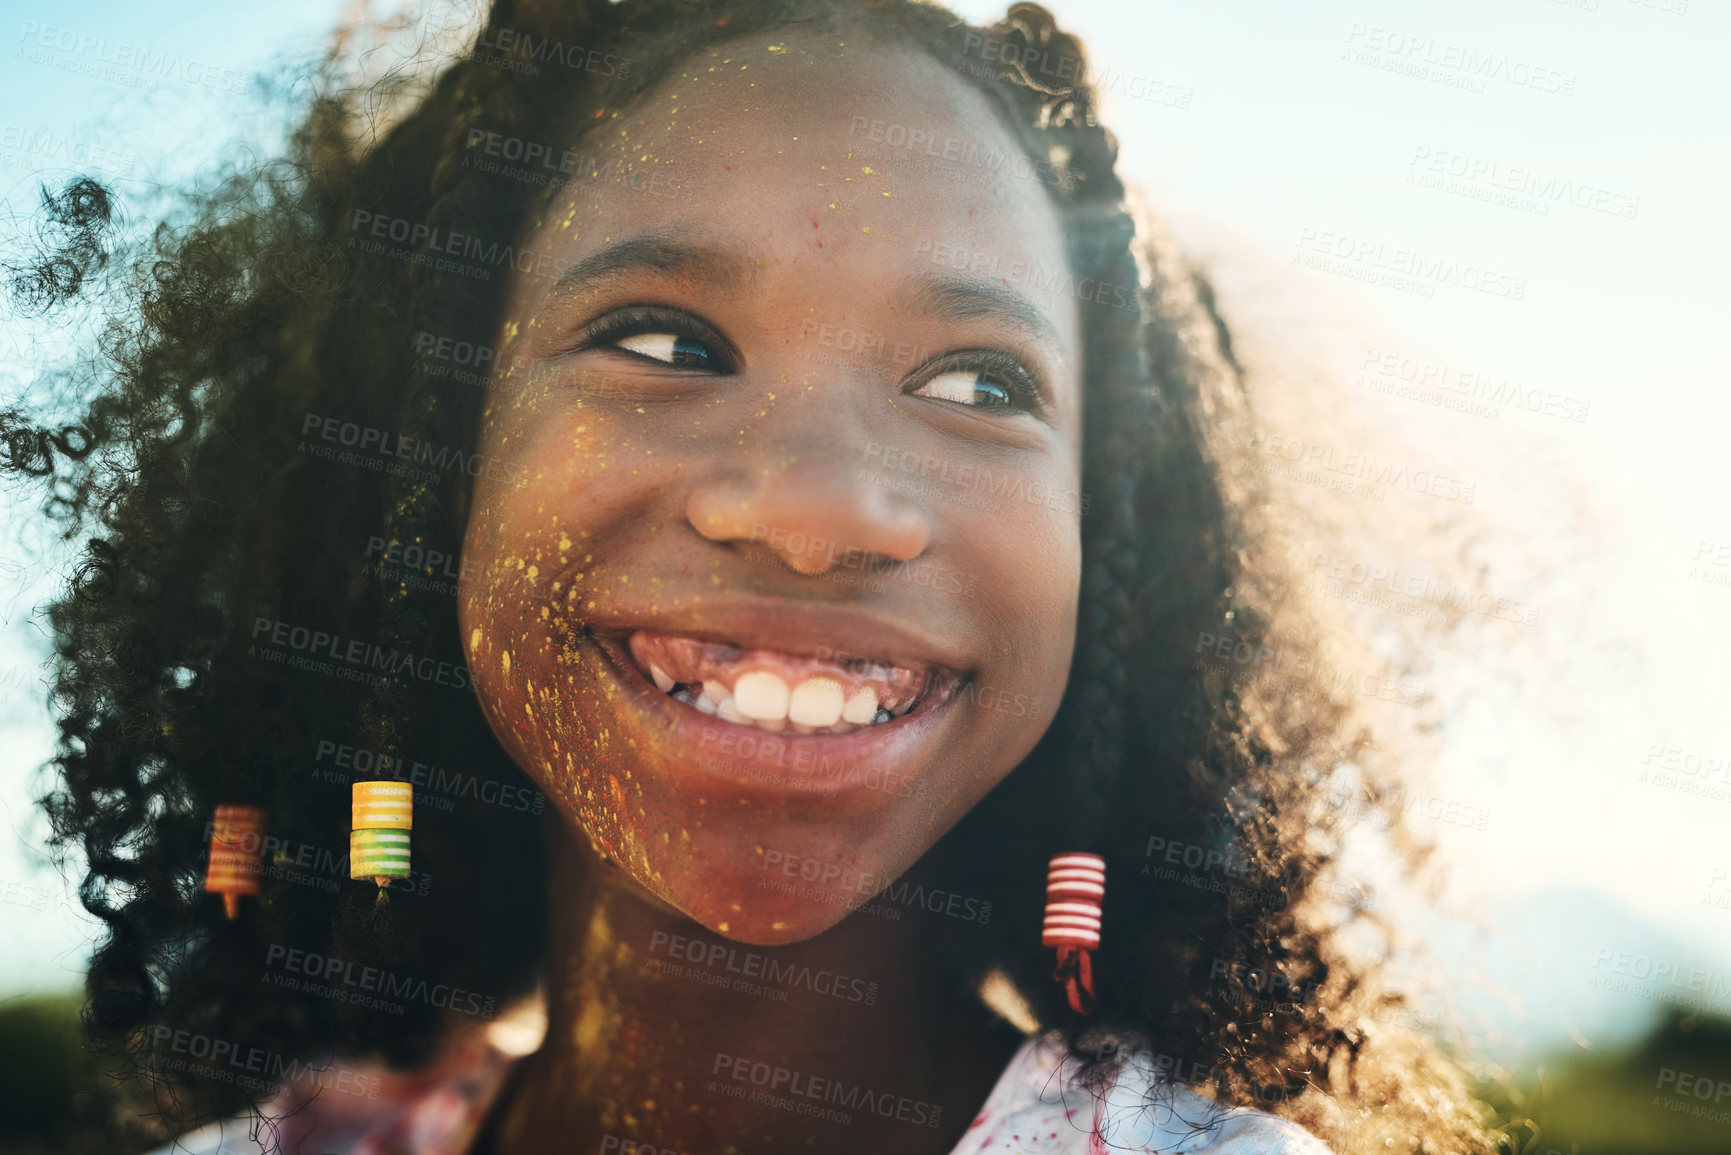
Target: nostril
pixel 811 523
pixel 908 540
pixel 722 513
pixel 807 563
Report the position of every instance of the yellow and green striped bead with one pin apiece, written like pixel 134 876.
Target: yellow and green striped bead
pixel 383 813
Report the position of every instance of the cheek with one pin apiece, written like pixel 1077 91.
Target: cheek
pixel 528 528
pixel 1029 553
pixel 520 552
pixel 1021 562
pixel 527 547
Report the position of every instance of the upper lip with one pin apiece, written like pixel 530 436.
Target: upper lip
pixel 831 633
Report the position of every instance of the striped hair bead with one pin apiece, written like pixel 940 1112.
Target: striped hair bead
pixel 1075 888
pixel 236 854
pixel 383 814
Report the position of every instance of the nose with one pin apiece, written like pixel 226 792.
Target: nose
pixel 811 512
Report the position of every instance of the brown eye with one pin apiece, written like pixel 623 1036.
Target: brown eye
pixel 662 335
pixel 982 379
pixel 969 387
pixel 671 349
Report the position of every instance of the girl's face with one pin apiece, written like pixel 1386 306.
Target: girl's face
pixel 779 535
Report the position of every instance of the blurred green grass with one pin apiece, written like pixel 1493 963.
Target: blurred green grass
pixel 52 1096
pixel 1628 1102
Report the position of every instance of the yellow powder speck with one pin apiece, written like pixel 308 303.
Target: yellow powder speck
pixel 778 48
pixel 510 330
pixel 534 572
pixel 475 638
pixel 722 927
pixel 778 926
pixel 505 660
pixel 867 170
pixel 590 1025
pixel 564 542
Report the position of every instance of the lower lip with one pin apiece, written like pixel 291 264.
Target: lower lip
pixel 872 759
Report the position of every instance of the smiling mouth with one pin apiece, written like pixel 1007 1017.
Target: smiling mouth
pixel 776 691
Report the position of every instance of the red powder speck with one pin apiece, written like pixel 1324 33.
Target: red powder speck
pixel 814 222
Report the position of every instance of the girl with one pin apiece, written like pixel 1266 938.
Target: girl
pixel 743 466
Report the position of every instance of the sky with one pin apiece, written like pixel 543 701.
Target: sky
pixel 1527 192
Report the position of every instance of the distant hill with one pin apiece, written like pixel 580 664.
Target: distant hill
pixel 1570 966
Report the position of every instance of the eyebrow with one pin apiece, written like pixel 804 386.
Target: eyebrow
pixel 658 254
pixel 954 299
pixel 960 299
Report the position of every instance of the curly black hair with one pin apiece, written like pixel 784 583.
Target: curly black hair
pixel 201 512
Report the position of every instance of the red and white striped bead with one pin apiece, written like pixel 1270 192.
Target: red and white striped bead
pixel 1075 888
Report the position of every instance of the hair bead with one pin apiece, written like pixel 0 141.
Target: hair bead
pixel 236 854
pixel 1075 889
pixel 382 815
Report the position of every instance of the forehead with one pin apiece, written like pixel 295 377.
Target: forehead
pixel 821 156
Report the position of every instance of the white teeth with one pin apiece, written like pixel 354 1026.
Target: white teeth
pixel 815 702
pixel 818 704
pixel 861 708
pixel 761 696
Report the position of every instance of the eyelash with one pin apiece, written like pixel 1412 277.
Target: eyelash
pixel 1025 387
pixel 637 320
pixel 1028 395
